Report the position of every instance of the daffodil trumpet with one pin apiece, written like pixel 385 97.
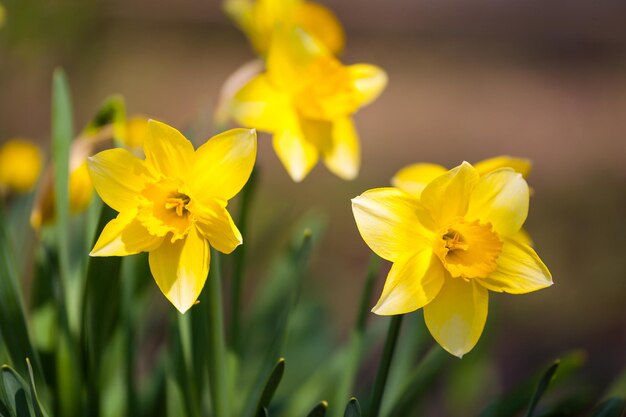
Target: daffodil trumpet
pixel 450 247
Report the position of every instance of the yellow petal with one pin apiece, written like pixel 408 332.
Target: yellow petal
pixel 322 24
pixel 520 165
pixel 260 105
pixel 519 270
pixel 167 151
pixel 387 219
pixel 447 196
pixel 500 198
pixel 224 164
pixel 369 81
pixel 2 15
pixel 180 269
pixel 217 226
pixel 411 284
pixel 297 154
pixel 457 316
pixel 135 132
pixel 118 176
pixel 80 189
pixel 343 158
pixel 125 235
pixel 414 178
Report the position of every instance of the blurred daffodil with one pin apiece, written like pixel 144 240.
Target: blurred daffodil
pixel 20 165
pixel 3 15
pixel 135 130
pixel 260 20
pixel 306 99
pixel 173 204
pixel 449 247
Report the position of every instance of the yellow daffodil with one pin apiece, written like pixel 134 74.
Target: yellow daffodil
pixel 173 204
pixel 2 15
pixel 20 165
pixel 449 247
pixel 306 99
pixel 261 19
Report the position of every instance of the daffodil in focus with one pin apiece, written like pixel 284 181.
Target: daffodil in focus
pixel 449 247
pixel 173 204
pixel 20 165
pixel 261 19
pixel 306 99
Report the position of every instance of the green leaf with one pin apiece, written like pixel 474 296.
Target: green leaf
pixel 111 112
pixel 319 410
pixel 13 325
pixel 62 133
pixel 418 382
pixel 544 382
pixel 613 407
pixel 37 407
pixel 353 409
pixel 271 385
pixel 15 393
pixel 262 412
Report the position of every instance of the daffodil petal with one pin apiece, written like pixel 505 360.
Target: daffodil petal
pixel 387 219
pixel 321 23
pixel 411 284
pixel 80 188
pixel 520 165
pixel 519 270
pixel 343 158
pixel 125 235
pixel 457 316
pixel 297 154
pixel 368 80
pixel 501 198
pixel 414 178
pixel 224 164
pixel 180 269
pixel 167 151
pixel 260 105
pixel 118 176
pixel 447 196
pixel 216 225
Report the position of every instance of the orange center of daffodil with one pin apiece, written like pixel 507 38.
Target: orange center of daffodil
pixel 328 91
pixel 468 249
pixel 165 208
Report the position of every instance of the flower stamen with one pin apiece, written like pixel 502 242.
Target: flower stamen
pixel 178 202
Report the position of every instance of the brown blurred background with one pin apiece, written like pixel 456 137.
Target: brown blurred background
pixel 468 80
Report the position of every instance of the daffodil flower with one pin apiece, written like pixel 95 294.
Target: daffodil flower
pixel 20 165
pixel 173 204
pixel 449 247
pixel 306 99
pixel 2 15
pixel 261 19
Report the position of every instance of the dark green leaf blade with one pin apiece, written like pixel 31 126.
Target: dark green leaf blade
pixel 271 385
pixel 15 393
pixel 353 409
pixel 319 410
pixel 544 382
pixel 37 407
pixel 613 407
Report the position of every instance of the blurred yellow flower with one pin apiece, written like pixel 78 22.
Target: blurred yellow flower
pixel 261 19
pixel 3 14
pixel 135 131
pixel 305 99
pixel 449 247
pixel 20 165
pixel 173 204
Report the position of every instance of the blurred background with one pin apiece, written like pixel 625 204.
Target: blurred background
pixel 468 80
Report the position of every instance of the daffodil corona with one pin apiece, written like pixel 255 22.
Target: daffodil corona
pixel 449 246
pixel 173 204
pixel 306 99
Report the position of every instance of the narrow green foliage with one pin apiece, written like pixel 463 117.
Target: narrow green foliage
pixel 37 407
pixel 542 387
pixel 271 385
pixel 613 407
pixel 218 372
pixel 319 410
pixel 13 324
pixel 418 382
pixel 262 412
pixel 112 111
pixel 385 362
pixel 14 393
pixel 62 133
pixel 353 409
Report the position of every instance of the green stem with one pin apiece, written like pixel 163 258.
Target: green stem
pixel 239 262
pixel 355 347
pixel 385 362
pixel 218 377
